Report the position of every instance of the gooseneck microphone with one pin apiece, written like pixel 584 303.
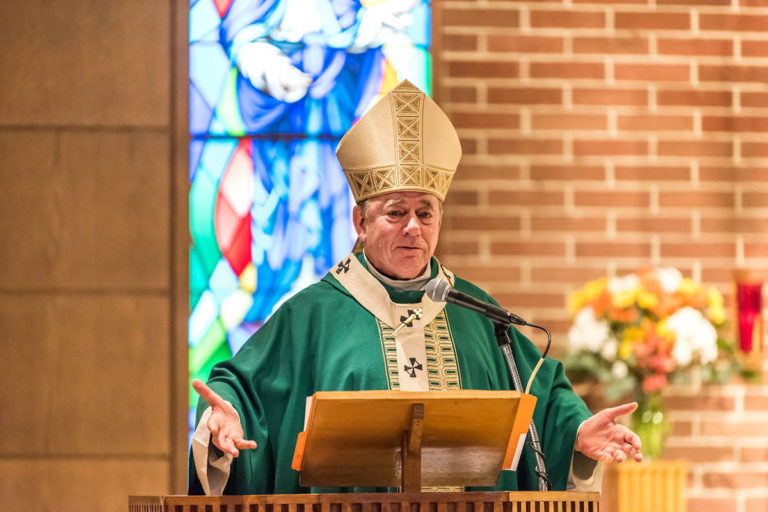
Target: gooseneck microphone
pixel 440 291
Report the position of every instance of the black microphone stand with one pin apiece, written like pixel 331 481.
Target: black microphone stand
pixel 502 336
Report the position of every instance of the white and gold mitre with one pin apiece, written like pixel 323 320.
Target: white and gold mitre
pixel 403 143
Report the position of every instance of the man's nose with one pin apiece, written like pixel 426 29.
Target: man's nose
pixel 412 225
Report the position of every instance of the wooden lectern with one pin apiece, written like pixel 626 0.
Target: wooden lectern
pixel 401 439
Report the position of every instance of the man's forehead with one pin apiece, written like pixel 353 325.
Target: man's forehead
pixel 402 198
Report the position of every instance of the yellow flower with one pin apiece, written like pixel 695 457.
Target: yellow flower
pixel 626 349
pixel 688 286
pixel 715 309
pixel 624 298
pixel 580 298
pixel 663 330
pixel 646 299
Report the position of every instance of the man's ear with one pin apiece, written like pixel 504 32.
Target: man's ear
pixel 359 222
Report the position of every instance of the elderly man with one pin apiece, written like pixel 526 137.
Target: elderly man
pixel 342 333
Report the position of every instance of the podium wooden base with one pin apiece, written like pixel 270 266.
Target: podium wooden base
pixel 523 501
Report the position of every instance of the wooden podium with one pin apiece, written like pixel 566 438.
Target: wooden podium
pixel 406 439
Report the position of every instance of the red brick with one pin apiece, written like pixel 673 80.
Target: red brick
pixel 482 69
pixel 490 273
pixel 682 428
pixel 655 225
pixel 567 172
pixel 735 123
pixel 570 224
pixel 468 145
pixel 520 146
pixel 613 249
pixel 462 94
pixel 696 199
pixel 754 48
pixel 483 222
pixel 462 198
pixel 485 120
pixel 651 173
pixel 528 248
pixel 612 97
pixel 526 197
pixel 610 147
pixel 755 503
pixel 701 402
pixel 611 45
pixel 735 225
pixel 698 454
pixel 736 480
pixel 458 247
pixel 563 121
pixel 679 46
pixel 733 22
pixel 613 199
pixel 734 429
pixel 695 249
pixel 708 504
pixel 753 3
pixel 739 174
pixel 493 171
pixel 753 454
pixel 757 403
pixel 567 19
pixel 652 20
pixel 694 98
pixel 577 275
pixel 460 42
pixel 756 250
pixel 476 16
pixel 651 122
pixel 693 2
pixel 652 72
pixel 570 70
pixel 524 44
pixel 754 99
pixel 531 300
pixel 695 148
pixel 754 199
pixel 610 2
pixel 526 95
pixel 754 149
pixel 729 73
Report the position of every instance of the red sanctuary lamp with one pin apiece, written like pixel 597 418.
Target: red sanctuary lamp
pixel 749 307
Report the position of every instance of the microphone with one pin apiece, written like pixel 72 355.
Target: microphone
pixel 440 291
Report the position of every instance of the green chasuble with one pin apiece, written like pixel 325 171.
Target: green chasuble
pixel 323 339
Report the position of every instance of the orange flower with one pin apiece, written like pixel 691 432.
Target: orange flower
pixel 654 383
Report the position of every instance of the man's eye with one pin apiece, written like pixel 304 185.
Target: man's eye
pixel 395 213
pixel 425 215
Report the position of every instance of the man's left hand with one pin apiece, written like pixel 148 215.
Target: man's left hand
pixel 601 438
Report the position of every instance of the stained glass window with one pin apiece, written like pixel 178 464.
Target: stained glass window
pixel 274 84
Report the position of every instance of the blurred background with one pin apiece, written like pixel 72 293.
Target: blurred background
pixel 600 138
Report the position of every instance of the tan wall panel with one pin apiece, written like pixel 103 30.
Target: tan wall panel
pixel 83 209
pixel 78 485
pixel 80 63
pixel 84 375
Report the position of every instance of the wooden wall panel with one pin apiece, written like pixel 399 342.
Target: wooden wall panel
pixel 83 209
pixel 79 63
pixel 88 375
pixel 63 485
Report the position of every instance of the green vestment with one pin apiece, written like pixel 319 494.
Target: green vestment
pixel 322 339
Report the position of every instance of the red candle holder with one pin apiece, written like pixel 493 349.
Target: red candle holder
pixel 749 307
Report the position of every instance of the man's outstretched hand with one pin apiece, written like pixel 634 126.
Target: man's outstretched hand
pixel 226 430
pixel 601 438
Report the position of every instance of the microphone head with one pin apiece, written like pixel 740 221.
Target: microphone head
pixel 437 289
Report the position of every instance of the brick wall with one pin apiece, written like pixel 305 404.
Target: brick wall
pixel 600 137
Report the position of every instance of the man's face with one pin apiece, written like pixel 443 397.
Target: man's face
pixel 400 232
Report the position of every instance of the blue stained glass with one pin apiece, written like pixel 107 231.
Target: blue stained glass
pixel 279 86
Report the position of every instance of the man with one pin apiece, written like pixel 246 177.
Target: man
pixel 339 334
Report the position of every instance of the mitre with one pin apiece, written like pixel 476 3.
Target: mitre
pixel 403 143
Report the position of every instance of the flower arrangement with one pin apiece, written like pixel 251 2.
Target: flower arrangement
pixel 636 332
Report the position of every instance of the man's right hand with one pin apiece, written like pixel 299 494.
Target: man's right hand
pixel 224 423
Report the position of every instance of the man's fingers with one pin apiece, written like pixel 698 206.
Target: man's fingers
pixel 207 393
pixel 245 444
pixel 620 410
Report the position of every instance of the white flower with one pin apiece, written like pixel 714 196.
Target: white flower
pixel 588 333
pixel 619 369
pixel 610 349
pixel 670 279
pixel 695 337
pixel 627 283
